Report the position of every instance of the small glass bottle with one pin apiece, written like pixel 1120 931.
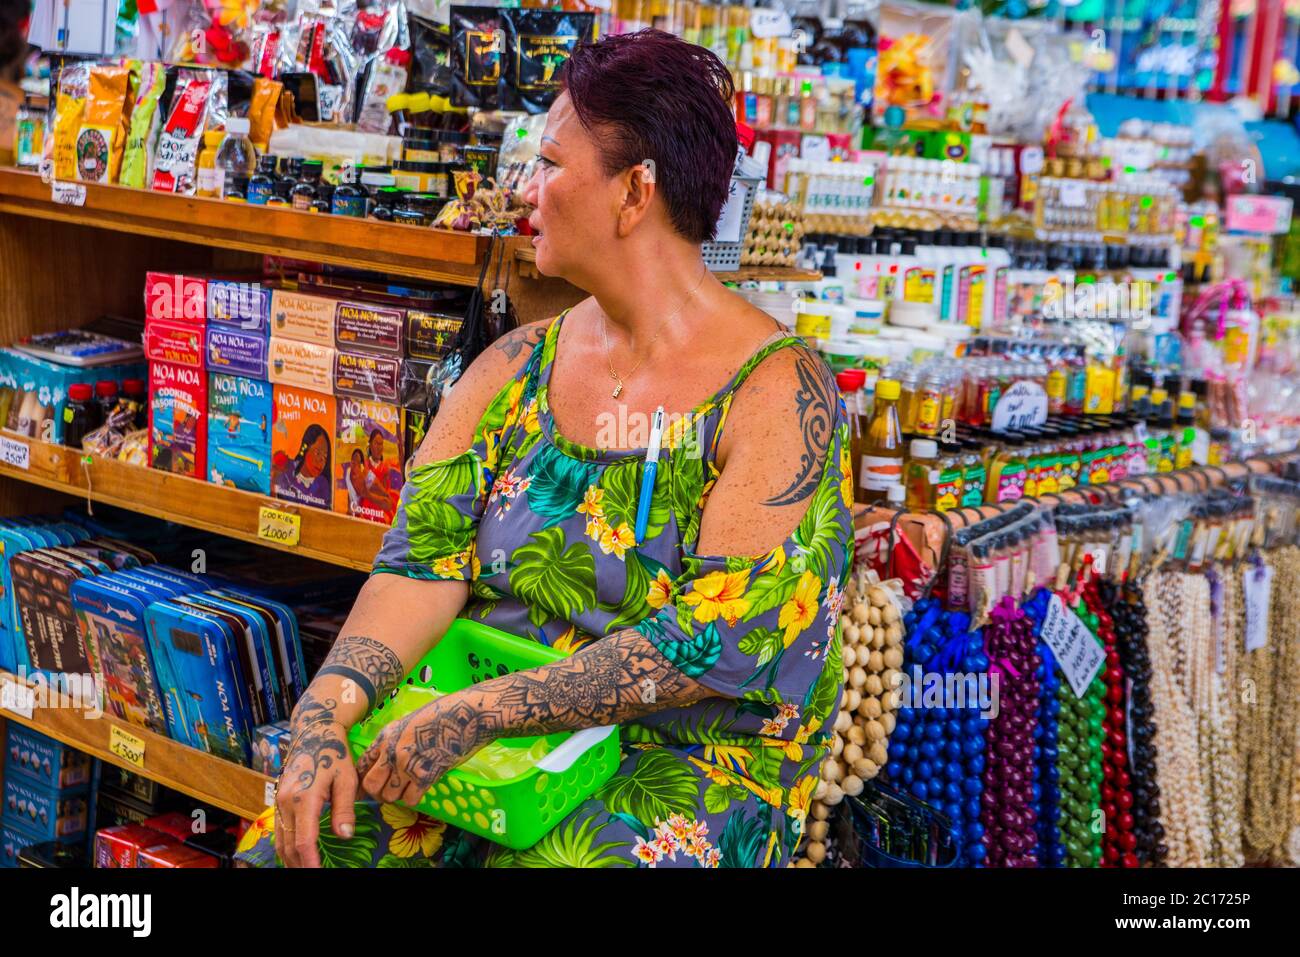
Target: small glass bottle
pixel 851 382
pixel 922 475
pixel 973 474
pixel 303 193
pixel 134 390
pixel 106 396
pixel 881 464
pixel 207 179
pixel 948 489
pixel 349 199
pixel 81 414
pixel 236 157
pixel 261 185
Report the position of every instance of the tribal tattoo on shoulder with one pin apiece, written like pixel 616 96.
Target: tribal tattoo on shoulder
pixel 816 398
pixel 514 342
pixel 370 664
pixel 620 678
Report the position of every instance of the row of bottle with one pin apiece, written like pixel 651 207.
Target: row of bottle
pixel 951 277
pixel 974 466
pixel 1142 205
pixel 942 185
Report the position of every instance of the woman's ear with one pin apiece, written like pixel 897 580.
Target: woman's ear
pixel 638 187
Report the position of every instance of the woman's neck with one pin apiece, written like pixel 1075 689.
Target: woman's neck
pixel 648 291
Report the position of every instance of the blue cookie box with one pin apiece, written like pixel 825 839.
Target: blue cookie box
pixel 47 815
pixel 46 763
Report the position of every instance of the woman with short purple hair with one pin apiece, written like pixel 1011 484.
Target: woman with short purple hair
pixel 700 609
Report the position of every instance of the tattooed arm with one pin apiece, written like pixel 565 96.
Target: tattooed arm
pixel 776 443
pixel 394 622
pixel 618 679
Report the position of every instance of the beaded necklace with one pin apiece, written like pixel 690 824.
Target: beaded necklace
pixel 1217 708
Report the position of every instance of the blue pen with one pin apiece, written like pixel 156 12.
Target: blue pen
pixel 648 475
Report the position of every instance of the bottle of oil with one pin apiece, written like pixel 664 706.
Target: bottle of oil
pixel 922 475
pixel 948 491
pixel 973 474
pixel 881 464
pixel 851 382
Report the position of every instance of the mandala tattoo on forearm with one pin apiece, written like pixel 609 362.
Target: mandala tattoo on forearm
pixel 370 664
pixel 620 678
pixel 816 398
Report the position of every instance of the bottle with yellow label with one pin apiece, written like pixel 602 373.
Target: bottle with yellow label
pixel 1006 481
pixel 929 406
pixel 948 491
pixel 1185 431
pixel 922 474
pixel 881 465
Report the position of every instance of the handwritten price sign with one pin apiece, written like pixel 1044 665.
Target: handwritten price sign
pixel 1077 652
pixel 126 746
pixel 278 527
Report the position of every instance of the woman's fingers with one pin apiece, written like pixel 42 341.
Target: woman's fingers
pixel 306 828
pixel 343 812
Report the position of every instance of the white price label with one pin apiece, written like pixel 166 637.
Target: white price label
pixel 766 24
pixel 18 699
pixel 268 795
pixel 1078 653
pixel 15 454
pixel 1031 160
pixel 1025 403
pixel 1258 584
pixel 68 194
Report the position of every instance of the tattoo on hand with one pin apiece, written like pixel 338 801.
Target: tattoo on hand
pixel 513 343
pixel 370 664
pixel 317 741
pixel 816 399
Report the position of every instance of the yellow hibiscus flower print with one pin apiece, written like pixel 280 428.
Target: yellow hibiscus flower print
pixel 451 566
pixel 719 595
pixel 412 831
pixel 263 826
pixel 661 591
pixel 617 541
pixel 846 476
pixel 801 797
pixel 593 502
pixel 801 610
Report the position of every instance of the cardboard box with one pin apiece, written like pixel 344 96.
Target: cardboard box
pixel 175 297
pixel 429 334
pixel 241 413
pixel 367 376
pixel 369 327
pixel 301 365
pixel 236 351
pixel 47 814
pixel 180 343
pixel 121 846
pixel 241 304
pixel 370 460
pixel 178 419
pixel 302 317
pixel 302 447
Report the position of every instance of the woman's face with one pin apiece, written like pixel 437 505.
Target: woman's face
pixel 576 203
pixel 313 463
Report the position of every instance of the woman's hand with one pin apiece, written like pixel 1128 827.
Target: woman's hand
pixel 317 770
pixel 411 754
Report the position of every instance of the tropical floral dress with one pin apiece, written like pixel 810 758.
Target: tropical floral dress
pixel 542 528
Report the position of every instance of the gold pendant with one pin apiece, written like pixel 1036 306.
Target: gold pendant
pixel 617 389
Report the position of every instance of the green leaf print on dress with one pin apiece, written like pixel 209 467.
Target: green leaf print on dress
pixel 557 485
pixel 554 581
pixel 659 785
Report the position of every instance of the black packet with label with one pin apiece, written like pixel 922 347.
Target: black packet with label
pixel 537 44
pixel 478 61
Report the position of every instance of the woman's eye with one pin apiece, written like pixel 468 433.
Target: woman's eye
pixel 549 164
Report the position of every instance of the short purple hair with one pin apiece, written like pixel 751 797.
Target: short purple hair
pixel 652 96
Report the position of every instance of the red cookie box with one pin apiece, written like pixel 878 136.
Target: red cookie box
pixel 174 855
pixel 178 419
pixel 175 297
pixel 181 343
pixel 121 846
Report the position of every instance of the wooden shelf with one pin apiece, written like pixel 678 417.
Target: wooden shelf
pixel 435 254
pixel 227 785
pixel 327 536
pixel 527 257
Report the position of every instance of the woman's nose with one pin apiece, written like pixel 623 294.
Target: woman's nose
pixel 533 187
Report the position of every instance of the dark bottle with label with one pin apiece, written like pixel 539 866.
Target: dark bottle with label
pixel 134 389
pixel 349 199
pixel 81 415
pixel 261 186
pixel 324 199
pixel 304 191
pixel 106 396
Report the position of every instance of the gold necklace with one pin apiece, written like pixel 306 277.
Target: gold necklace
pixel 604 325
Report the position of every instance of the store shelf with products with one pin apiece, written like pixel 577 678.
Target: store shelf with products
pixel 435 254
pixel 207 777
pixel 323 535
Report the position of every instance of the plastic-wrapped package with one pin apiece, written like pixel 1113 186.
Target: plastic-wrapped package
pixel 142 134
pixel 69 108
pixel 537 43
pixel 477 56
pixel 519 149
pixel 916 69
pixel 175 160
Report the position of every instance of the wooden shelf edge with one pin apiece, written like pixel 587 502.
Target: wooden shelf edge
pixel 219 782
pixel 434 254
pixel 526 256
pixel 325 536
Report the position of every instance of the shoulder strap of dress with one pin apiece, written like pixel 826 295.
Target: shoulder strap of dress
pixel 777 341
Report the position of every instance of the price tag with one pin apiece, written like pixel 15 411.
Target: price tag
pixel 1025 403
pixel 268 795
pixel 68 194
pixel 14 453
pixel 1072 193
pixel 766 24
pixel 278 527
pixel 1077 652
pixel 126 745
pixel 1258 584
pixel 18 699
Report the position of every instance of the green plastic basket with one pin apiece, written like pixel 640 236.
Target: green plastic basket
pixel 519 811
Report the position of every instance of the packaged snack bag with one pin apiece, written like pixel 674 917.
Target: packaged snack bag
pixel 101 139
pixel 69 107
pixel 142 132
pixel 175 162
